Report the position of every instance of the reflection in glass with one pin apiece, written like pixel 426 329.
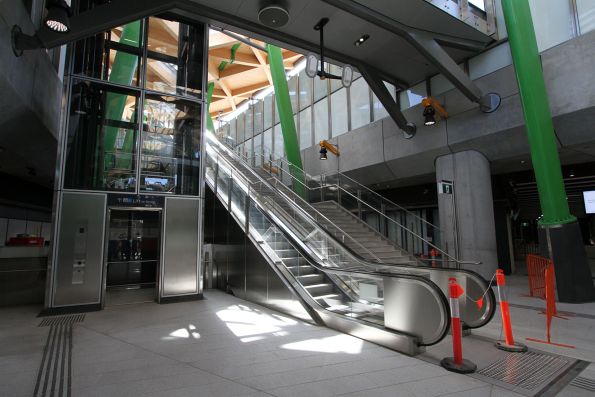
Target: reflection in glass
pixel 101 138
pixel 174 57
pixel 170 154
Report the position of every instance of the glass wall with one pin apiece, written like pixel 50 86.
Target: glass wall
pixel 134 121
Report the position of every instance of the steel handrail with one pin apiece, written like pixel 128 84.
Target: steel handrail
pixel 324 174
pixel 289 199
pixel 440 250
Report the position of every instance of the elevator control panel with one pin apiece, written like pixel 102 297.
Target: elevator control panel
pixel 80 252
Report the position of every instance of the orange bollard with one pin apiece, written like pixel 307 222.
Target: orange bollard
pixel 550 308
pixel 433 255
pixel 456 363
pixel 508 344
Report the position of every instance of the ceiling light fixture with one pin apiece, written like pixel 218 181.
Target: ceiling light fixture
pixel 58 17
pixel 361 40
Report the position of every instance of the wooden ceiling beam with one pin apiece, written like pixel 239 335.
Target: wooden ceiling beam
pixel 233 70
pixel 249 89
pixel 240 58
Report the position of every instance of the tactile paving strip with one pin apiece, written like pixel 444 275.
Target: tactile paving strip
pixel 62 320
pixel 528 373
pixel 584 383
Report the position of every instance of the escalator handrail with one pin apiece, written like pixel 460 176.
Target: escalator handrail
pixel 440 250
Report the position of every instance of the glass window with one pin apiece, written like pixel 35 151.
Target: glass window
pixel 258 149
pixel 360 103
pixel 258 117
pixel 320 87
pixel 306 128
pixel 321 119
pixel 337 71
pixel 305 90
pixel 339 112
pixel 233 137
pixel 102 138
pixel 279 144
pixel 586 15
pixel 292 85
pixel 174 57
pixel 114 56
pixel 267 144
pixel 171 143
pixel 413 95
pixel 241 127
pixel 553 24
pixel 248 148
pixel 248 123
pixel 268 111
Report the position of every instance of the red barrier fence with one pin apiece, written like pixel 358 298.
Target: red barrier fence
pixel 536 266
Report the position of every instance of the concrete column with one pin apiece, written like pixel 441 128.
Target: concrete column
pixel 467 215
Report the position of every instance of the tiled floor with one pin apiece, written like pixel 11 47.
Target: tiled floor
pixel 221 346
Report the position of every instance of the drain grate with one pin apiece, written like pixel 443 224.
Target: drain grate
pixel 62 320
pixel 529 371
pixel 584 383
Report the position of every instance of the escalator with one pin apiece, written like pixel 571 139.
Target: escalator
pixel 400 306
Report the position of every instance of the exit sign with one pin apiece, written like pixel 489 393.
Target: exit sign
pixel 445 187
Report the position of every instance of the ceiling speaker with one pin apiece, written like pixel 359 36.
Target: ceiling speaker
pixel 273 16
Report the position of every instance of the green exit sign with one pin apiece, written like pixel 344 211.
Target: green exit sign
pixel 445 187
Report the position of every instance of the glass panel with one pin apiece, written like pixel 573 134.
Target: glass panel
pixel 248 123
pixel 174 53
pixel 321 118
pixel 279 151
pixel 267 144
pixel 114 56
pixel 306 128
pixel 258 149
pixel 240 127
pixel 339 112
pixel 102 138
pixel 292 84
pixel 233 134
pixel 360 103
pixel 258 122
pixel 413 95
pixel 305 90
pixel 586 15
pixel 337 71
pixel 320 87
pixel 553 24
pixel 268 111
pixel 171 144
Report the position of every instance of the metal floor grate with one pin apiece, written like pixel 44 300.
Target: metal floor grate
pixel 529 371
pixel 62 320
pixel 584 383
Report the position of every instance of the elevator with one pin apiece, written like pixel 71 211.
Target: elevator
pixel 133 255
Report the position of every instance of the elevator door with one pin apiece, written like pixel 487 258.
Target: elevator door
pixel 132 256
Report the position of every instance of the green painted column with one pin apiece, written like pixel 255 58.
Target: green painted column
pixel 538 118
pixel 292 146
pixel 210 89
pixel 123 70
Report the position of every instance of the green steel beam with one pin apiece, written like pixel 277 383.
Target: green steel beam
pixel 292 147
pixel 123 70
pixel 538 118
pixel 210 89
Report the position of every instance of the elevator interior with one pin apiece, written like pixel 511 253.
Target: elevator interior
pixel 133 253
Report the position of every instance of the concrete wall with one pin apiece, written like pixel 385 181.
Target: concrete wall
pixel 30 102
pixel 378 153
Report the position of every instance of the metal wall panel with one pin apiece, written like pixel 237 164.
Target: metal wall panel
pixel 181 239
pixel 78 267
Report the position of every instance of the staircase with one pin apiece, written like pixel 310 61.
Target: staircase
pixel 367 238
